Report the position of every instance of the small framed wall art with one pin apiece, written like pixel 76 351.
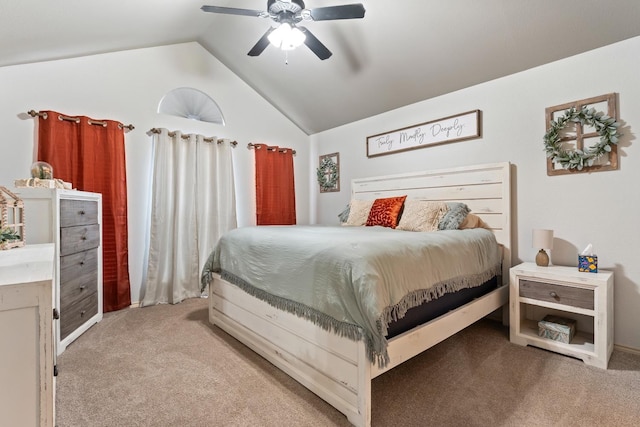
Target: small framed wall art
pixel 328 173
pixel 582 136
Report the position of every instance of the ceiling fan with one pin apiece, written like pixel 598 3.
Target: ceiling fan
pixel 287 14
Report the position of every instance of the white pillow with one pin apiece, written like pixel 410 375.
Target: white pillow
pixel 421 215
pixel 359 212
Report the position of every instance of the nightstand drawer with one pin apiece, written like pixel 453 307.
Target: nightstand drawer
pixel 78 212
pixel 78 239
pixel 566 295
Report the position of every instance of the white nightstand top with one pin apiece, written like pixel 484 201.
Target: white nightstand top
pixel 557 272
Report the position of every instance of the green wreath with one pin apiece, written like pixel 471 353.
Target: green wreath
pixel 327 174
pixel 606 126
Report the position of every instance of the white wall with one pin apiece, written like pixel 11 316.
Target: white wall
pixel 599 208
pixel 127 86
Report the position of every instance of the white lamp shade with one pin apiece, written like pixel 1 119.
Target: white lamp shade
pixel 543 239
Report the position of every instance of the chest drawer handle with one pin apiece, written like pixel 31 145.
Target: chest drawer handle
pixel 82 313
pixel 82 287
pixel 81 212
pixel 84 237
pixel 553 294
pixel 81 262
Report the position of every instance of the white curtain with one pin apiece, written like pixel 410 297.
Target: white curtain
pixel 192 205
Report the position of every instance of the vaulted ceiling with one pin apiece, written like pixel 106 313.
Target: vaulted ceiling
pixel 402 52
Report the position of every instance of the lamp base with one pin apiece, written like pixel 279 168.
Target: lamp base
pixel 542 259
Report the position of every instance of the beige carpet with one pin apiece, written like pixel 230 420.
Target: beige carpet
pixel 167 366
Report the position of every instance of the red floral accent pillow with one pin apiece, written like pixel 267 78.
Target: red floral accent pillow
pixel 385 212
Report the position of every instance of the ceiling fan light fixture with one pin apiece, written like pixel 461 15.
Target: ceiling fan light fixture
pixel 286 14
pixel 286 37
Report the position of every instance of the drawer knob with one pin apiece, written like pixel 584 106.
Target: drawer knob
pixel 81 262
pixel 84 237
pixel 82 287
pixel 82 313
pixel 553 294
pixel 81 212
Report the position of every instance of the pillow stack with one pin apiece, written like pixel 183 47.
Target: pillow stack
pixel 410 215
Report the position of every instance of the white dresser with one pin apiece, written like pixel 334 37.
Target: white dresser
pixel 72 220
pixel 26 336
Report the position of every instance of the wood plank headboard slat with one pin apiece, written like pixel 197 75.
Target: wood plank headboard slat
pixel 485 188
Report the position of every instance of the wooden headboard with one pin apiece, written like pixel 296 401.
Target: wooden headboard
pixel 486 189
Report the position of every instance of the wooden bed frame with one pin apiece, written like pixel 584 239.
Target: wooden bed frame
pixel 335 368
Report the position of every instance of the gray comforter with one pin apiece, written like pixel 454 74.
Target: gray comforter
pixel 352 280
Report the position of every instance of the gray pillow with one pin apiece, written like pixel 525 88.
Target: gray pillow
pixel 456 213
pixel 344 215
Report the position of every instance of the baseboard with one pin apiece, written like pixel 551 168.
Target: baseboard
pixel 626 349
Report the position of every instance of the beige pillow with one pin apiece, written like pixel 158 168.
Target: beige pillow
pixel 421 215
pixel 473 221
pixel 359 212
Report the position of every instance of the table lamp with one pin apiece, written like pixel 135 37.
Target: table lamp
pixel 542 239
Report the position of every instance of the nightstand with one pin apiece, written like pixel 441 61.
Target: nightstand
pixel 587 298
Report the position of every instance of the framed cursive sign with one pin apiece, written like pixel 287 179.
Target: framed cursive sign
pixel 449 129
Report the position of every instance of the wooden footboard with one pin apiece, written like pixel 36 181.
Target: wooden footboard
pixel 334 368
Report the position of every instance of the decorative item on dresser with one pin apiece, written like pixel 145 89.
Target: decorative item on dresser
pixel 73 221
pixel 26 333
pixel 537 292
pixel 542 239
pixel 11 220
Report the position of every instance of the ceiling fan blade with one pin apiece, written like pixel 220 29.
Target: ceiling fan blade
pixel 233 11
pixel 315 45
pixel 347 11
pixel 261 45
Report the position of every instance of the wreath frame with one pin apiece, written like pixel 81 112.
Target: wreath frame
pixel 328 173
pixel 606 128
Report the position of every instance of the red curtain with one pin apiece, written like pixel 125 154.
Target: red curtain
pixel 90 154
pixel 275 190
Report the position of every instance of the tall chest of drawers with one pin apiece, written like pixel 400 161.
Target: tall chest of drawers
pixel 72 220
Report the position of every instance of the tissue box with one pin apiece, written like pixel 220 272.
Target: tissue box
pixel 588 263
pixel 557 328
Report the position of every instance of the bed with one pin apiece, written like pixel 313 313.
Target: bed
pixel 339 366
